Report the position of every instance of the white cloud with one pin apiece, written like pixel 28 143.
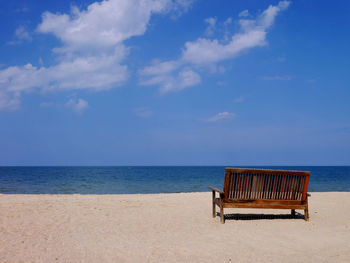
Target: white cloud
pixel 277 77
pixel 221 117
pixel 160 68
pixel 228 21
pixel 78 106
pixel 103 25
pixel 22 33
pixel 171 82
pixel 178 7
pixel 252 34
pixel 143 112
pixel 244 13
pixel 93 49
pixel 9 101
pixel 211 21
pixel 268 16
pixel 206 53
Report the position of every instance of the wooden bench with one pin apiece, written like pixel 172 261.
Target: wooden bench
pixel 258 188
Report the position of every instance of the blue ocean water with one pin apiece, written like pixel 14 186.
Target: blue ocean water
pixel 131 180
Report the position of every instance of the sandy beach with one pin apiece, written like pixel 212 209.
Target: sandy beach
pixel 168 228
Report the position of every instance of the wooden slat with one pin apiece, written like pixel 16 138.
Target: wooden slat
pixel 263 201
pixel 246 187
pixel 266 185
pixel 271 186
pixel 284 183
pixel 240 185
pixel 300 181
pixel 234 185
pixel 234 193
pixel 294 187
pixel 251 186
pixel 247 193
pixel 266 182
pixel 230 186
pixel 255 186
pixel 245 183
pixel 241 182
pixel 280 188
pixel 297 187
pixel 262 178
pixel 227 181
pixel 273 196
pixel 263 191
pixel 254 203
pixel 233 178
pixel 277 192
pixel 301 188
pixel 269 190
pixel 264 206
pixel 291 188
pixel 283 187
pixel 288 182
pixel 306 183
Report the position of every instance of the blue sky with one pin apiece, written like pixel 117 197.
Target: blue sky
pixel 174 82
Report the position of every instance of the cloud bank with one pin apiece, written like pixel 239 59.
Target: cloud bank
pixel 206 53
pixel 92 54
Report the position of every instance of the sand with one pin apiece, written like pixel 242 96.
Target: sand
pixel 168 228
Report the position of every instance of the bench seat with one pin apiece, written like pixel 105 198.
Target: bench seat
pixel 268 204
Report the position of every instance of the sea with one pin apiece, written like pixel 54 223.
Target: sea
pixel 146 179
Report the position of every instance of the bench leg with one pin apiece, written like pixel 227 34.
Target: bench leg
pixel 222 213
pixel 293 212
pixel 306 212
pixel 214 205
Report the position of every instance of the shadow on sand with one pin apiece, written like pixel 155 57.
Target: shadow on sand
pixel 262 216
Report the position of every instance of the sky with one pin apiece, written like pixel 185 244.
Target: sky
pixel 174 82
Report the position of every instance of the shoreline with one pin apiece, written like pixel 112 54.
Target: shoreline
pixel 161 193
pixel 170 227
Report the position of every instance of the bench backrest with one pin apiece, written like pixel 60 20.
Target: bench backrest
pixel 253 184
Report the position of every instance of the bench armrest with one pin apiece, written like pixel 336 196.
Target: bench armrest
pixel 216 190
